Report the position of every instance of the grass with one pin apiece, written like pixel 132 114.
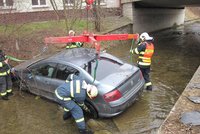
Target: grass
pixel 28 28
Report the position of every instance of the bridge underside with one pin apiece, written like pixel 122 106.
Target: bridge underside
pixel 165 3
pixel 152 18
pixel 171 3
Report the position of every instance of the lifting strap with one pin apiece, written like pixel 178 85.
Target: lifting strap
pixel 95 69
pixel 131 55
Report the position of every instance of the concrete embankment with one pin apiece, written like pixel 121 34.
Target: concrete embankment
pixel 173 124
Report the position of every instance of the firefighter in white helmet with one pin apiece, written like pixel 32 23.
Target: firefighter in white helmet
pixel 73 44
pixel 71 96
pixel 71 33
pixel 145 51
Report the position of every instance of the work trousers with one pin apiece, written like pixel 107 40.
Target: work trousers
pixel 5 85
pixel 145 72
pixel 75 110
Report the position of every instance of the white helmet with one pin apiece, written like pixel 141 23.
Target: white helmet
pixel 71 32
pixel 145 36
pixel 92 91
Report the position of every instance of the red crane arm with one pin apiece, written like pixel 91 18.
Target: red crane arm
pixel 116 37
pixel 65 39
pixel 90 38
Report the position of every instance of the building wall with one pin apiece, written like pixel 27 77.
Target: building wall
pixel 112 3
pixel 26 6
pixel 23 11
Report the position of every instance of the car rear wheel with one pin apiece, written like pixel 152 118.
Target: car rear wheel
pixel 93 112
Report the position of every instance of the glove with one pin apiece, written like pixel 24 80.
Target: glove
pixel 85 108
pixel 12 70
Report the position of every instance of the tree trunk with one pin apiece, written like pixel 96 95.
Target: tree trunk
pixel 97 16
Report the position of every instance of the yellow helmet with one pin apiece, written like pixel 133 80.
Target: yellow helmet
pixel 92 91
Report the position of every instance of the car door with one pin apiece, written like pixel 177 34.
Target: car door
pixel 40 79
pixel 63 71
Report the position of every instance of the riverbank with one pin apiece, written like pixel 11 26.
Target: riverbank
pixel 172 124
pixel 192 13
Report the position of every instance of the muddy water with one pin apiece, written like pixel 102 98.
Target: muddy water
pixel 177 56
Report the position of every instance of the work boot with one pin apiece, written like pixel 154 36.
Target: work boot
pixel 66 115
pixel 149 88
pixel 85 131
pixel 10 94
pixel 5 97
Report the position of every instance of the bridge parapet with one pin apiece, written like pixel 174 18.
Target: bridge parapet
pixel 164 3
pixel 128 1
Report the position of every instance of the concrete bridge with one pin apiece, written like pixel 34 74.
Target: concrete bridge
pixel 152 15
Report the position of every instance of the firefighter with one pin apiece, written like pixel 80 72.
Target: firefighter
pixel 73 44
pixel 145 50
pixel 5 77
pixel 71 96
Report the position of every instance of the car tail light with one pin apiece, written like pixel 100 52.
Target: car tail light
pixel 112 96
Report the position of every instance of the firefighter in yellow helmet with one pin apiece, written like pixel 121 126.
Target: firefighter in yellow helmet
pixel 73 44
pixel 145 51
pixel 5 77
pixel 71 96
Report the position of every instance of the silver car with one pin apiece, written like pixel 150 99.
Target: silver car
pixel 119 83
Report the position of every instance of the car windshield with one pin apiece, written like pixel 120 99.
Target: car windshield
pixel 105 67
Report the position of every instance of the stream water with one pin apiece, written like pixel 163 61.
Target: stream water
pixel 177 56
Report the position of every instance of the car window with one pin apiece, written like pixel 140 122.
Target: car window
pixel 45 69
pixel 105 67
pixel 63 71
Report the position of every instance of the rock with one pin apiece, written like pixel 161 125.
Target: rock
pixel 37 97
pixel 194 85
pixel 195 99
pixel 191 118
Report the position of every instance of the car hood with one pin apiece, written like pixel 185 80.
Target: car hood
pixel 115 79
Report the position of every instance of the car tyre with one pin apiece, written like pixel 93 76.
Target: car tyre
pixel 22 85
pixel 93 112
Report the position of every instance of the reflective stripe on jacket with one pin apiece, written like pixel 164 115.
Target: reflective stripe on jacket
pixel 145 55
pixel 71 90
pixel 4 69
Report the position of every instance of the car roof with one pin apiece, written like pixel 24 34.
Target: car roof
pixel 77 56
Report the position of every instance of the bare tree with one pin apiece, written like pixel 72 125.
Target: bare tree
pixel 97 15
pixel 71 11
pixel 55 8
